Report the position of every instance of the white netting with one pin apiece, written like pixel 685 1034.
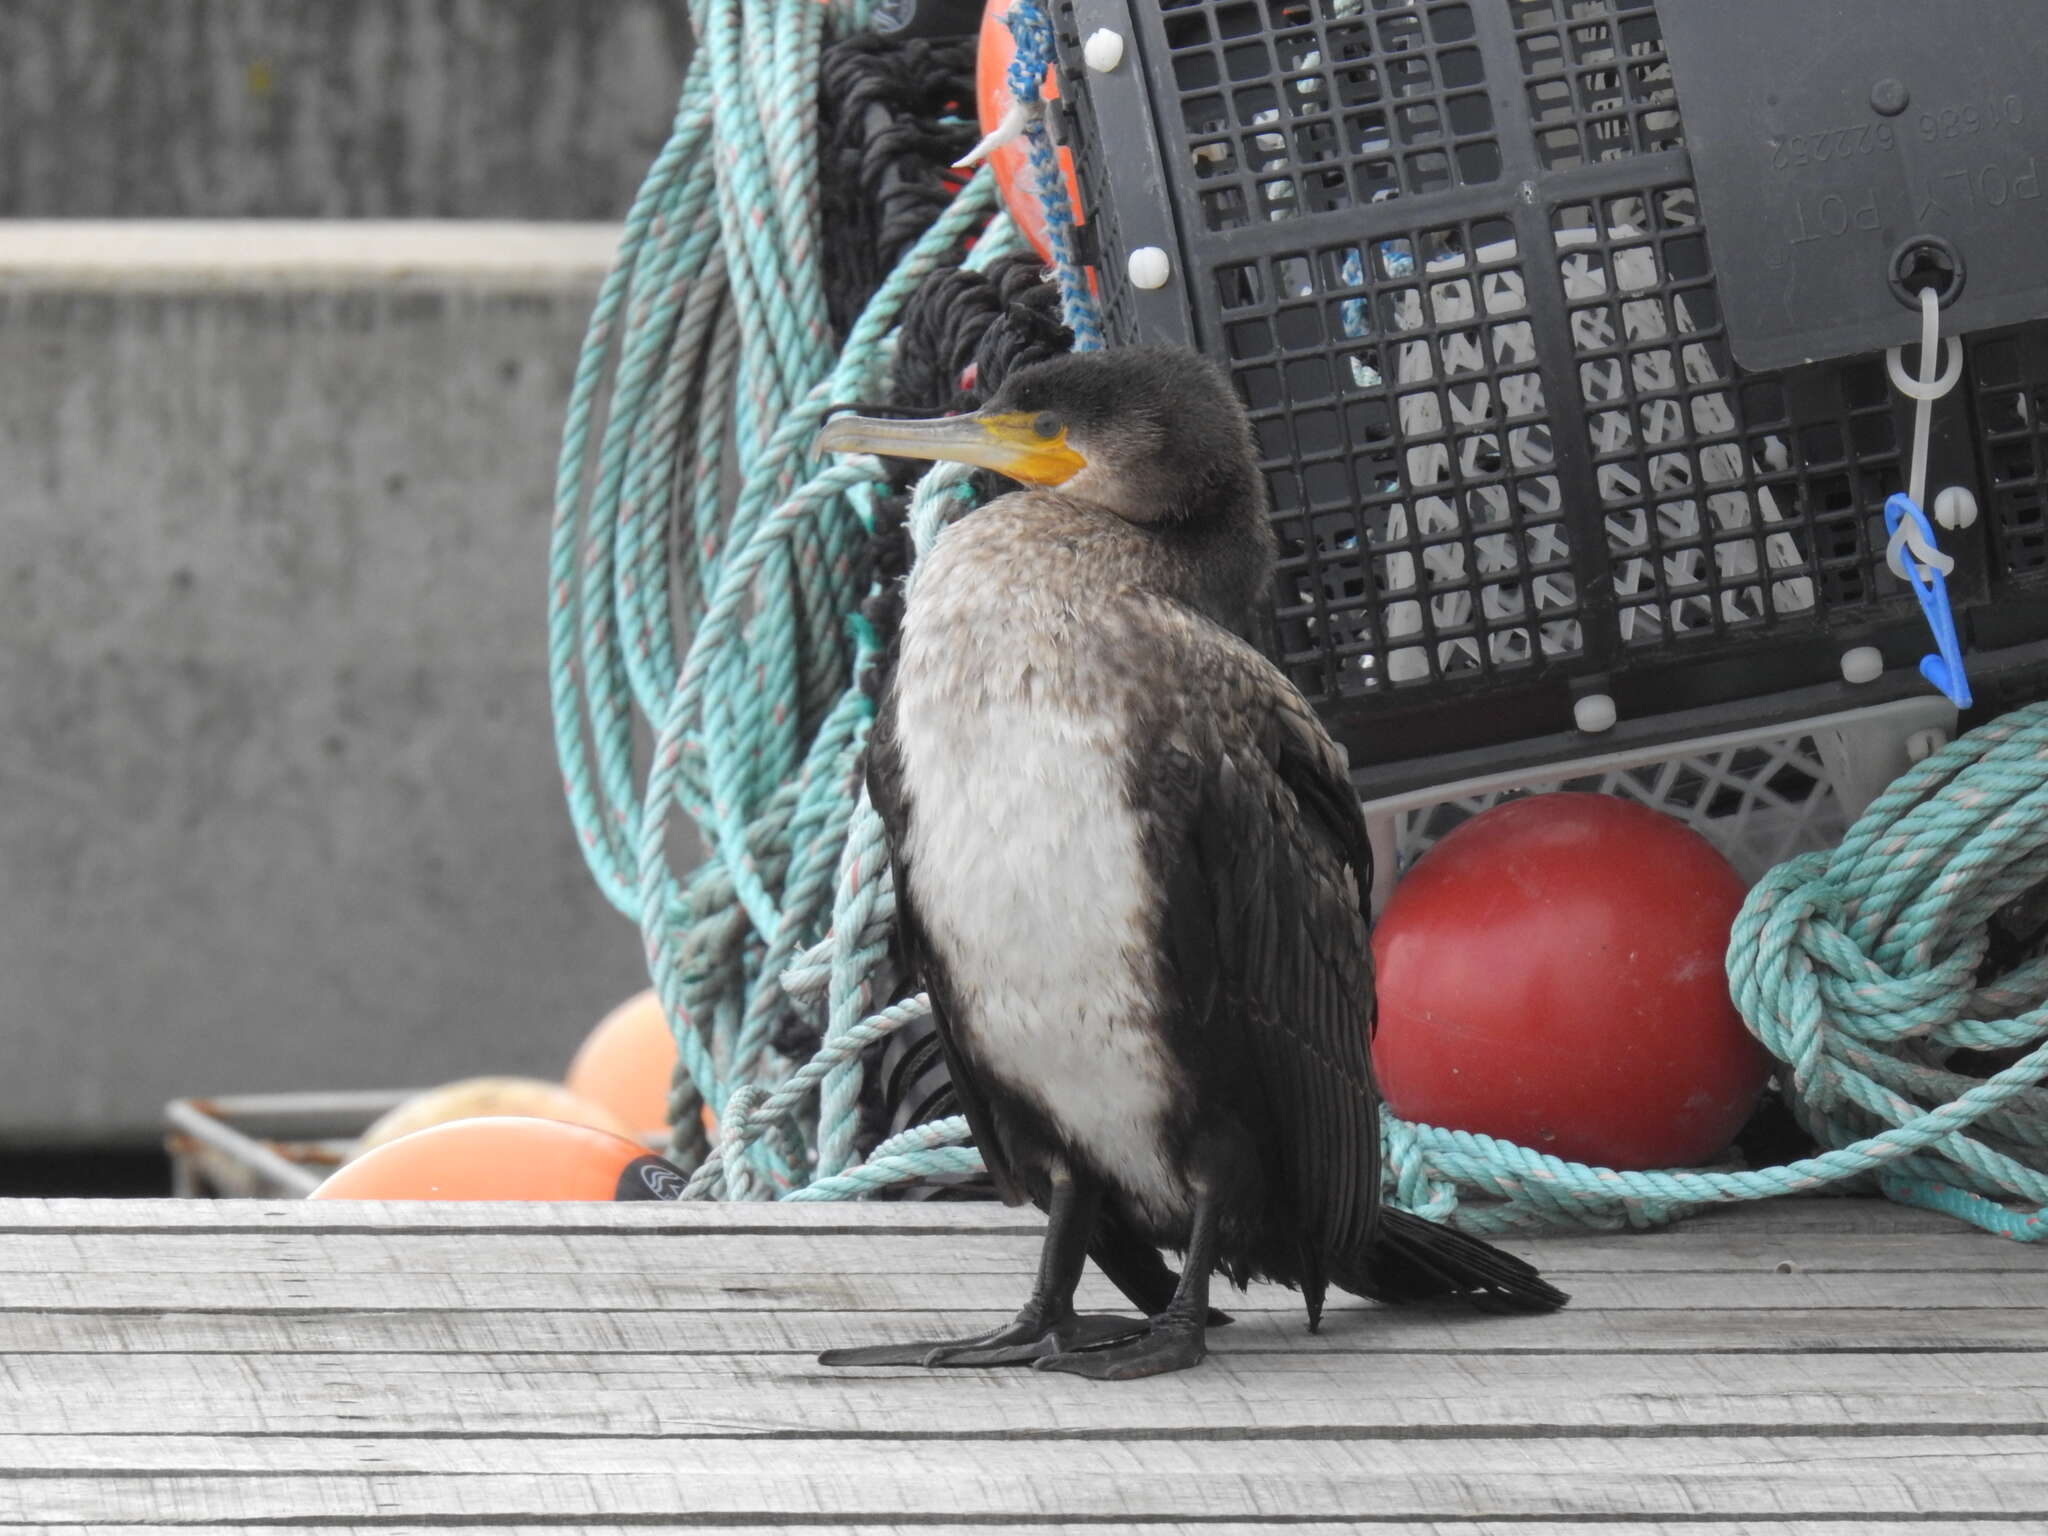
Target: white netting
pixel 1760 796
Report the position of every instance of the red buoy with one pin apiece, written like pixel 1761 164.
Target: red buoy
pixel 1553 973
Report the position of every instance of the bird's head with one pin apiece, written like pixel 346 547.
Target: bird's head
pixel 1153 435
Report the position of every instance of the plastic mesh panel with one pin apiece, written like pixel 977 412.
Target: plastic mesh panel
pixel 1293 107
pixel 1845 442
pixel 2009 379
pixel 1708 527
pixel 1404 413
pixel 1760 804
pixel 1509 451
pixel 1404 430
pixel 1760 796
pixel 1597 83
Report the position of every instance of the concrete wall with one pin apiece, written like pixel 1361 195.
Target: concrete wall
pixel 278 801
pixel 531 109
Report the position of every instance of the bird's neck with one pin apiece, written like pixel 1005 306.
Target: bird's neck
pixel 1210 547
pixel 1038 594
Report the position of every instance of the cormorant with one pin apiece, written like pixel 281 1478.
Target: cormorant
pixel 1132 875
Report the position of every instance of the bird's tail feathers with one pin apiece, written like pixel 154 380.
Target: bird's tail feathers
pixel 1416 1260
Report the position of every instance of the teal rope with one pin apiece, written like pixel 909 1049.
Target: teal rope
pixel 708 357
pixel 707 360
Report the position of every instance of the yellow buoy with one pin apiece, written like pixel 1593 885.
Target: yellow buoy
pixel 474 1097
pixel 628 1064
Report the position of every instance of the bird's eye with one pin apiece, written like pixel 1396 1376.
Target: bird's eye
pixel 1046 424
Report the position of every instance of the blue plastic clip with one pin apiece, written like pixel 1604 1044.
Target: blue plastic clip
pixel 1944 670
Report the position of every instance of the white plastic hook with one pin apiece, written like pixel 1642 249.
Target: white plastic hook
pixel 1924 388
pixel 1923 392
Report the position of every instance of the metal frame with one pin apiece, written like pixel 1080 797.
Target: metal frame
pixel 266 1145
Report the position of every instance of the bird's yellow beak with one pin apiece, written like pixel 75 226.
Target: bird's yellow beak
pixel 1006 442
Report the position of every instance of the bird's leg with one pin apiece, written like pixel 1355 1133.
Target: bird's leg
pixel 1177 1337
pixel 1047 1325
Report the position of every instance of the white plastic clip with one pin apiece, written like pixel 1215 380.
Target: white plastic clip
pixel 1149 267
pixel 1104 50
pixel 1955 507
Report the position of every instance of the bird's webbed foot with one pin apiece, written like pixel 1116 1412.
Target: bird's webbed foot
pixel 1048 1327
pixel 1030 1338
pixel 1177 1338
pixel 1169 1344
pixel 1025 1340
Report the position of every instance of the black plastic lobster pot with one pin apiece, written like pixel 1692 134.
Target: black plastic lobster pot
pixel 1562 324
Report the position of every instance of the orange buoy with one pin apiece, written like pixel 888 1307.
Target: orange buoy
pixel 628 1064
pixel 477 1096
pixel 505 1157
pixel 1011 162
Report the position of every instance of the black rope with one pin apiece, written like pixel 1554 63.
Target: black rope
pixel 965 332
pixel 893 115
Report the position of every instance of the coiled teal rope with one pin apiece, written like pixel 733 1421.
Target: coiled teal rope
pixel 688 504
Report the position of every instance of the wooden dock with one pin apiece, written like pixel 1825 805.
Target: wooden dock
pixel 1821 1367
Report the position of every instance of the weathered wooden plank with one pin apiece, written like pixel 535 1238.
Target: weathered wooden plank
pixel 1284 1394
pixel 1673 1527
pixel 1839 1216
pixel 23 1216
pixel 926 1254
pixel 1577 1330
pixel 548 1252
pixel 103 1480
pixel 1694 1381
pixel 681 1288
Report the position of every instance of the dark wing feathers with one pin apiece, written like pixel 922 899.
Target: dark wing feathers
pixel 1277 871
pixel 1267 921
